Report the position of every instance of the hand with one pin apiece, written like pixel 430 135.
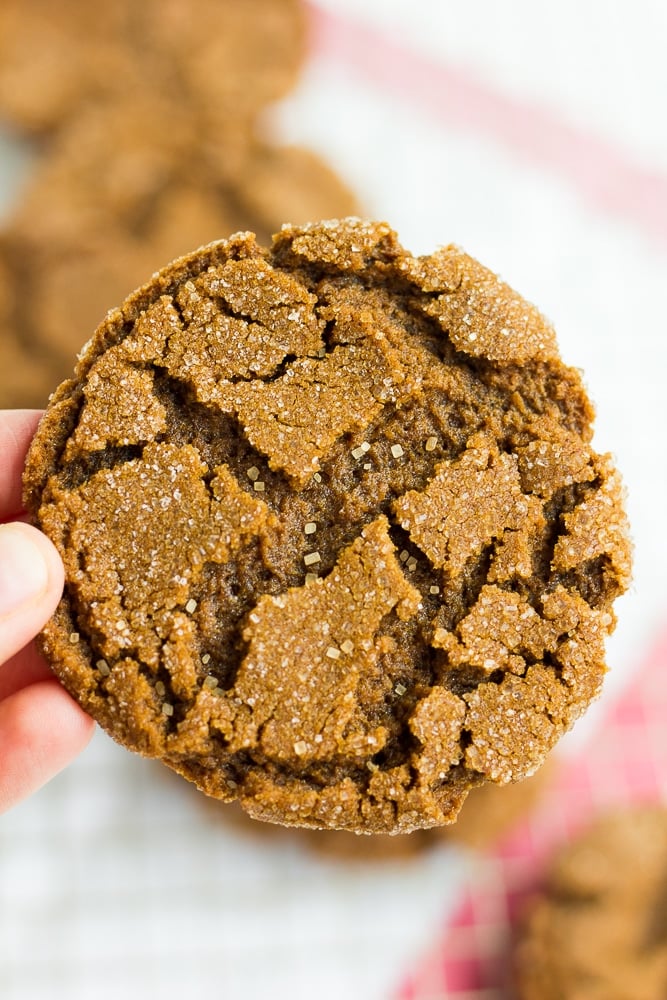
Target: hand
pixel 41 727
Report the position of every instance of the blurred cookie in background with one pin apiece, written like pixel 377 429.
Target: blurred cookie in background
pixel 26 379
pixel 106 167
pixel 56 55
pixel 127 165
pixel 6 293
pixel 289 184
pixel 221 59
pixel 25 376
pixel 598 930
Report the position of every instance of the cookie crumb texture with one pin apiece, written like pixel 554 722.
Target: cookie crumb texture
pixel 598 929
pixel 333 526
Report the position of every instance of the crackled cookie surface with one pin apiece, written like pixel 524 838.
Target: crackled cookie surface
pixel 114 199
pixel 598 930
pixel 336 541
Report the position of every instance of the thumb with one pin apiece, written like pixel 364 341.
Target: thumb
pixel 31 582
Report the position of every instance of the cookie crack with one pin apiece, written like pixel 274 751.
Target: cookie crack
pixel 80 470
pixel 219 437
pixel 227 311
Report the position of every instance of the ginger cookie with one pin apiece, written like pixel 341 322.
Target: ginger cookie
pixel 336 541
pixel 598 929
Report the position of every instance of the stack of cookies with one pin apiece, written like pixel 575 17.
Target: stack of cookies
pixel 147 126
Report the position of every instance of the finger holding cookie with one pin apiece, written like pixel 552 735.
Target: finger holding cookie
pixel 41 728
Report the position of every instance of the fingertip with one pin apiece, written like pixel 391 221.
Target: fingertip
pixel 42 729
pixel 31 583
pixel 17 428
pixel 38 547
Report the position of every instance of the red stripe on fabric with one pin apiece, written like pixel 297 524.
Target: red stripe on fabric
pixel 603 173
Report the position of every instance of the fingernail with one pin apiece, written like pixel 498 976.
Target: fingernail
pixel 24 574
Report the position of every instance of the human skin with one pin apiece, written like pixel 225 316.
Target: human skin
pixel 41 728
